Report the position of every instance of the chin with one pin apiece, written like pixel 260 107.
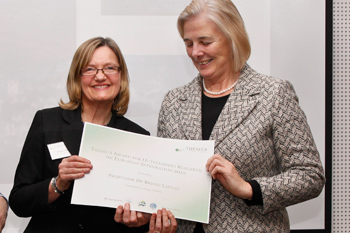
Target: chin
pixel 206 75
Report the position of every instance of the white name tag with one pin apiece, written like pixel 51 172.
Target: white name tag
pixel 58 150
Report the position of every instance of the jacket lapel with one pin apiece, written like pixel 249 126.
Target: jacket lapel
pixel 238 106
pixel 190 111
pixel 71 134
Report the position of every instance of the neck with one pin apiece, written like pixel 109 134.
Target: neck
pixel 220 87
pixel 100 115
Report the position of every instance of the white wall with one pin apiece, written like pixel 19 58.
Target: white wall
pixel 38 39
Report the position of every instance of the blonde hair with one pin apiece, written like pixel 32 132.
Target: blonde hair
pixel 80 60
pixel 226 16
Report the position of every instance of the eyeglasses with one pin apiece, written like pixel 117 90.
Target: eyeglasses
pixel 109 70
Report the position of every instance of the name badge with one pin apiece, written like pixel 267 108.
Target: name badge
pixel 58 150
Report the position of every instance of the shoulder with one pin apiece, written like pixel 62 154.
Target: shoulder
pixel 267 86
pixel 183 92
pixel 53 118
pixel 57 114
pixel 48 114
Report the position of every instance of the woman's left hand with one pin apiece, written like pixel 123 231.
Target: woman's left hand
pixel 129 217
pixel 225 172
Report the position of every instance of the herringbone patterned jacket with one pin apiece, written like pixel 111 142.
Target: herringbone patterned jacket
pixel 264 133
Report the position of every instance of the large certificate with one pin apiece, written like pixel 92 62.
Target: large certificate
pixel 148 172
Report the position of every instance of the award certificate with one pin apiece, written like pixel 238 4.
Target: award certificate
pixel 148 172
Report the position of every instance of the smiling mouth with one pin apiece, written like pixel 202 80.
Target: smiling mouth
pixel 100 87
pixel 204 62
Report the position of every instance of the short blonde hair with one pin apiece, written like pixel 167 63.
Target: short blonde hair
pixel 226 16
pixel 80 60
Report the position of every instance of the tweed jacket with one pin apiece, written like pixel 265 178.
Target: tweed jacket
pixel 29 195
pixel 264 133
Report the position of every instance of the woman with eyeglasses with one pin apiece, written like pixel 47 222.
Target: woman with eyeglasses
pixel 98 90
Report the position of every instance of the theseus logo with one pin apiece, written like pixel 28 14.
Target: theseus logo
pixel 196 149
pixel 192 149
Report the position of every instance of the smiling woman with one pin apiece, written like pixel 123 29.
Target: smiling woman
pixel 84 76
pixel 207 46
pixel 265 156
pixel 98 89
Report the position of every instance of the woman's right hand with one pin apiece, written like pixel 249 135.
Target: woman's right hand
pixel 71 168
pixel 162 222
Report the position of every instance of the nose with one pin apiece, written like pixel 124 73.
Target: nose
pixel 100 76
pixel 197 50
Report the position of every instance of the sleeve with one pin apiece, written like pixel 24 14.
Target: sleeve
pixel 301 174
pixel 29 195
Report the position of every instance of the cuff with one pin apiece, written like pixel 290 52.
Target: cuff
pixel 257 195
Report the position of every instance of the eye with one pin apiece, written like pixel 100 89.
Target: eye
pixel 90 69
pixel 206 43
pixel 189 45
pixel 111 70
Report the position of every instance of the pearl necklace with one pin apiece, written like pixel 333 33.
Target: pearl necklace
pixel 220 92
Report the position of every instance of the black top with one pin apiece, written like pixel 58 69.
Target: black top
pixel 29 195
pixel 211 109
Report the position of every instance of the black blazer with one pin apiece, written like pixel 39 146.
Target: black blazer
pixel 29 195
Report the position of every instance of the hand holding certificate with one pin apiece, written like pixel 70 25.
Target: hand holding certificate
pixel 148 172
